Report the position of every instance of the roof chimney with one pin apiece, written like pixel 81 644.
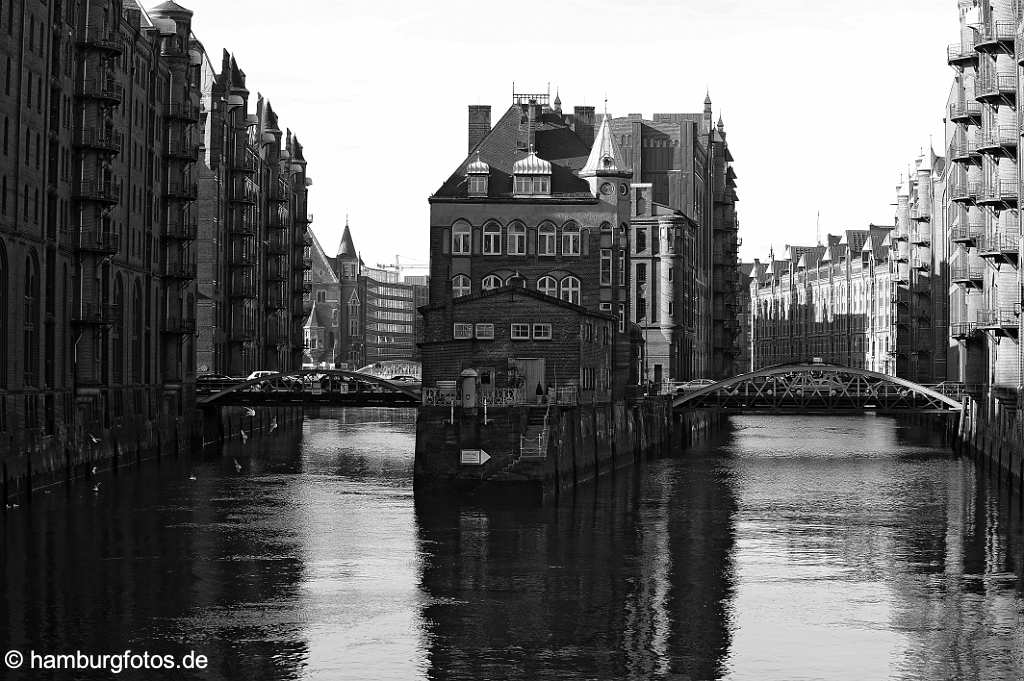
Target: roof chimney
pixel 479 124
pixel 583 124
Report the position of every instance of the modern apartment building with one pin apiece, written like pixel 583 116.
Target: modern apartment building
pixel 983 133
pixel 97 278
pixel 251 219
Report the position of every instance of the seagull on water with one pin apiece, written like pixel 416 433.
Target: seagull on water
pixel 245 436
pixel 96 488
pixel 273 425
pixel 95 440
pixel 249 411
pixel 93 471
pixel 238 466
pixel 192 476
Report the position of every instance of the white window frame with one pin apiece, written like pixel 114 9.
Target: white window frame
pixel 491 282
pixel 569 290
pixel 462 331
pixel 548 285
pixel 492 239
pixel 462 239
pixel 606 267
pixel 461 286
pixel 542 332
pixel 519 331
pixel 571 239
pixel 516 239
pixel 547 240
pixel 485 331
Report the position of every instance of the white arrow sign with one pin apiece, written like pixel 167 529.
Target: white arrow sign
pixel 474 457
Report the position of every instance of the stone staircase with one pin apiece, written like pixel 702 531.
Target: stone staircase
pixel 533 444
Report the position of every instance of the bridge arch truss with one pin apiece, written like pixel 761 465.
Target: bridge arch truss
pixel 824 388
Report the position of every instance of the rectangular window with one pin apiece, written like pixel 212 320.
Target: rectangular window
pixel 606 267
pixel 671 273
pixel 605 307
pixel 541 185
pixel 541 332
pixel 520 332
pixel 462 331
pixel 641 240
pixel 641 273
pixel 461 242
pixel 517 241
pixel 485 331
pixel 524 185
pixel 477 185
pixel 492 240
pixel 570 242
pixel 546 240
pixel 622 318
pixel 622 268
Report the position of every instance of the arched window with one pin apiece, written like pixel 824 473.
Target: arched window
pixel 571 239
pixel 547 239
pixel 461 238
pixel 460 286
pixel 492 239
pixel 517 239
pixel 3 316
pixel 548 286
pixel 570 290
pixel 30 349
pixel 492 281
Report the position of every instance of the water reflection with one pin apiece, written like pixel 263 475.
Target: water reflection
pixel 795 548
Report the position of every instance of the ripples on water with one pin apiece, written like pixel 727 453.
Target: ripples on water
pixel 797 548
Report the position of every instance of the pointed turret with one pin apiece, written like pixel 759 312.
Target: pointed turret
pixel 558 102
pixel 347 248
pixel 605 156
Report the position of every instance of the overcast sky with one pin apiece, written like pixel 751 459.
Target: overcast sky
pixel 825 103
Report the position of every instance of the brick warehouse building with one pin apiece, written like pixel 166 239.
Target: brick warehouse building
pixel 251 218
pixel 684 161
pixel 96 281
pixel 542 202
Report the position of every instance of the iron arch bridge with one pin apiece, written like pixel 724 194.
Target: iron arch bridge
pixel 314 386
pixel 819 388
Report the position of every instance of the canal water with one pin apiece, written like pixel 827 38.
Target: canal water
pixel 794 548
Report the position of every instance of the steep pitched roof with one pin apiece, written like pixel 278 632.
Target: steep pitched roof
pixel 347 248
pixel 509 141
pixel 605 155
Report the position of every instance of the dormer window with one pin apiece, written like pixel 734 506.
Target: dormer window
pixel 477 174
pixel 532 176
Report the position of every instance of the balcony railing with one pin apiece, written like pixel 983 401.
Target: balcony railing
pixel 965 111
pixel 992 87
pixel 921 264
pixel 964 149
pixel 961 53
pixel 1007 318
pixel 963 191
pixel 180 270
pixel 922 236
pixel 999 191
pixel 182 112
pixel 992 34
pixel 182 229
pixel 101 89
pixel 182 191
pixel 998 138
pixel 94 241
pixel 93 38
pixel 963 330
pixel 966 233
pixel 91 314
pixel 967 274
pixel 183 150
pixel 99 139
pixel 998 244
pixel 920 214
pixel 96 190
pixel 178 326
